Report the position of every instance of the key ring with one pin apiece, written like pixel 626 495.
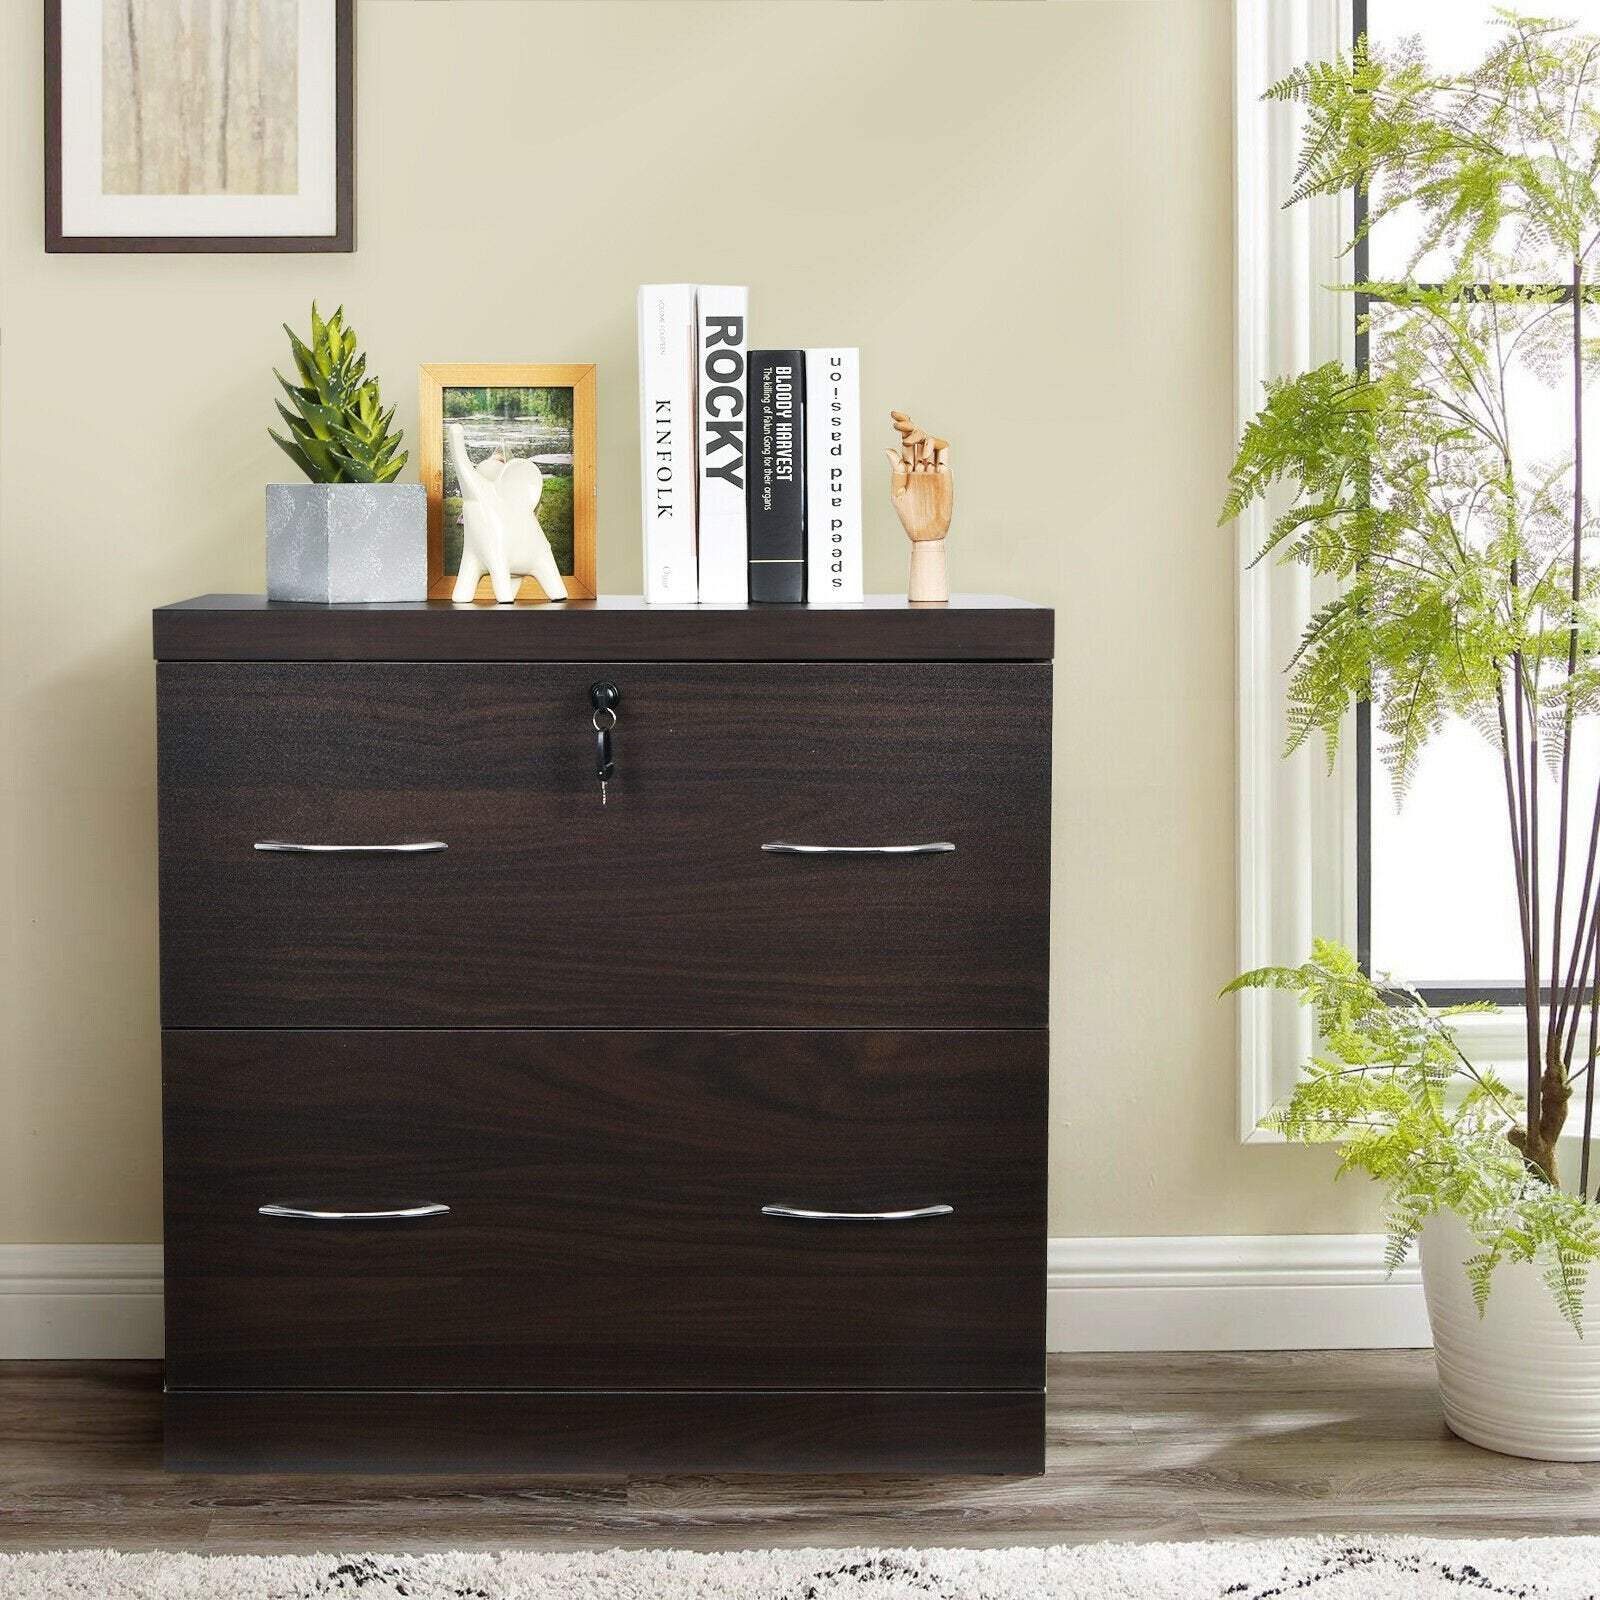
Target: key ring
pixel 608 726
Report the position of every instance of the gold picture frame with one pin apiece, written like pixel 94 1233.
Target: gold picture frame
pixel 538 422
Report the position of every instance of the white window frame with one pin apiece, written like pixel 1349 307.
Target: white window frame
pixel 1297 821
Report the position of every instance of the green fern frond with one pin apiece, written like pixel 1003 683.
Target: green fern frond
pixel 1401 484
pixel 1480 1275
pixel 1390 1086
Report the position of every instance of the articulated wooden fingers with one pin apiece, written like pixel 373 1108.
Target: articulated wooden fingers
pixel 919 451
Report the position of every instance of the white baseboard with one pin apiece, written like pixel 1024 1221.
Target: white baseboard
pixel 1272 1292
pixel 77 1302
pixel 1315 1291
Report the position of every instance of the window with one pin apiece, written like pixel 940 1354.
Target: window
pixel 1424 892
pixel 1436 903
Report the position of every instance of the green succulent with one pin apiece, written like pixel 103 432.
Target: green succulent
pixel 338 429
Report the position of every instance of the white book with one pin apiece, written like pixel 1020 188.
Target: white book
pixel 833 477
pixel 666 442
pixel 721 442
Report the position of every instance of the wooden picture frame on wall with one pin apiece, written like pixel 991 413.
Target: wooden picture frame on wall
pixel 509 411
pixel 242 141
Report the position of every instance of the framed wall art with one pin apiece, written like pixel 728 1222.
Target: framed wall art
pixel 199 125
pixel 508 460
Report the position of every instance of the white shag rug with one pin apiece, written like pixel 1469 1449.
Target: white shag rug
pixel 1312 1569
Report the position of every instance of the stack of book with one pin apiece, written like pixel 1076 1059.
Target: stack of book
pixel 750 460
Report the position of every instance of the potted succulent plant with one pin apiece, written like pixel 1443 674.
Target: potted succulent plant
pixel 351 533
pixel 1469 576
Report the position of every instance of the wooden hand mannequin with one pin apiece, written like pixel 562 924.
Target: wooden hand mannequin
pixel 924 494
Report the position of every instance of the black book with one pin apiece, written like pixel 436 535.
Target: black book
pixel 777 474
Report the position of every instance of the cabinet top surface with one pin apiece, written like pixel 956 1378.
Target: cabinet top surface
pixel 249 627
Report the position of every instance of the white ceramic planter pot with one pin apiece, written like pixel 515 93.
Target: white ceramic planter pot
pixel 1518 1379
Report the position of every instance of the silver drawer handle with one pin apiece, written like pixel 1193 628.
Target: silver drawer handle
pixel 397 1214
pixel 781 849
pixel 800 1214
pixel 284 846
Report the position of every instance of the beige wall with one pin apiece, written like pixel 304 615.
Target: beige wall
pixel 1021 214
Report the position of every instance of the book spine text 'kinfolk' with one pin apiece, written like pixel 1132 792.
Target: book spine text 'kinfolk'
pixel 666 445
pixel 833 477
pixel 777 475
pixel 722 442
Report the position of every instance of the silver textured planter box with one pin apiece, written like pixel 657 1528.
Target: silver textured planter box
pixel 342 543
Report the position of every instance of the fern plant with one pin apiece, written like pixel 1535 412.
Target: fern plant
pixel 1467 588
pixel 1393 1089
pixel 338 429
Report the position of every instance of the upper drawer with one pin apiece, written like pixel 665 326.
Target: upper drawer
pixel 659 909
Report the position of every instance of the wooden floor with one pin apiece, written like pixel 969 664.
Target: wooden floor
pixel 1141 1447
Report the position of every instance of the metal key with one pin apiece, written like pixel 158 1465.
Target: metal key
pixel 603 697
pixel 604 765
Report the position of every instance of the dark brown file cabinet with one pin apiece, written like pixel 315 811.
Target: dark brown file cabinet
pixel 699 1130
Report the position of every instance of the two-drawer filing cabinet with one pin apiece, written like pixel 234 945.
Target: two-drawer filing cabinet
pixel 701 1129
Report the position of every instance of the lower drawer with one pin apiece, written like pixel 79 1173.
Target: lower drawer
pixel 630 1210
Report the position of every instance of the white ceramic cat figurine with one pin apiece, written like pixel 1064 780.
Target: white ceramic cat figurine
pixel 500 525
